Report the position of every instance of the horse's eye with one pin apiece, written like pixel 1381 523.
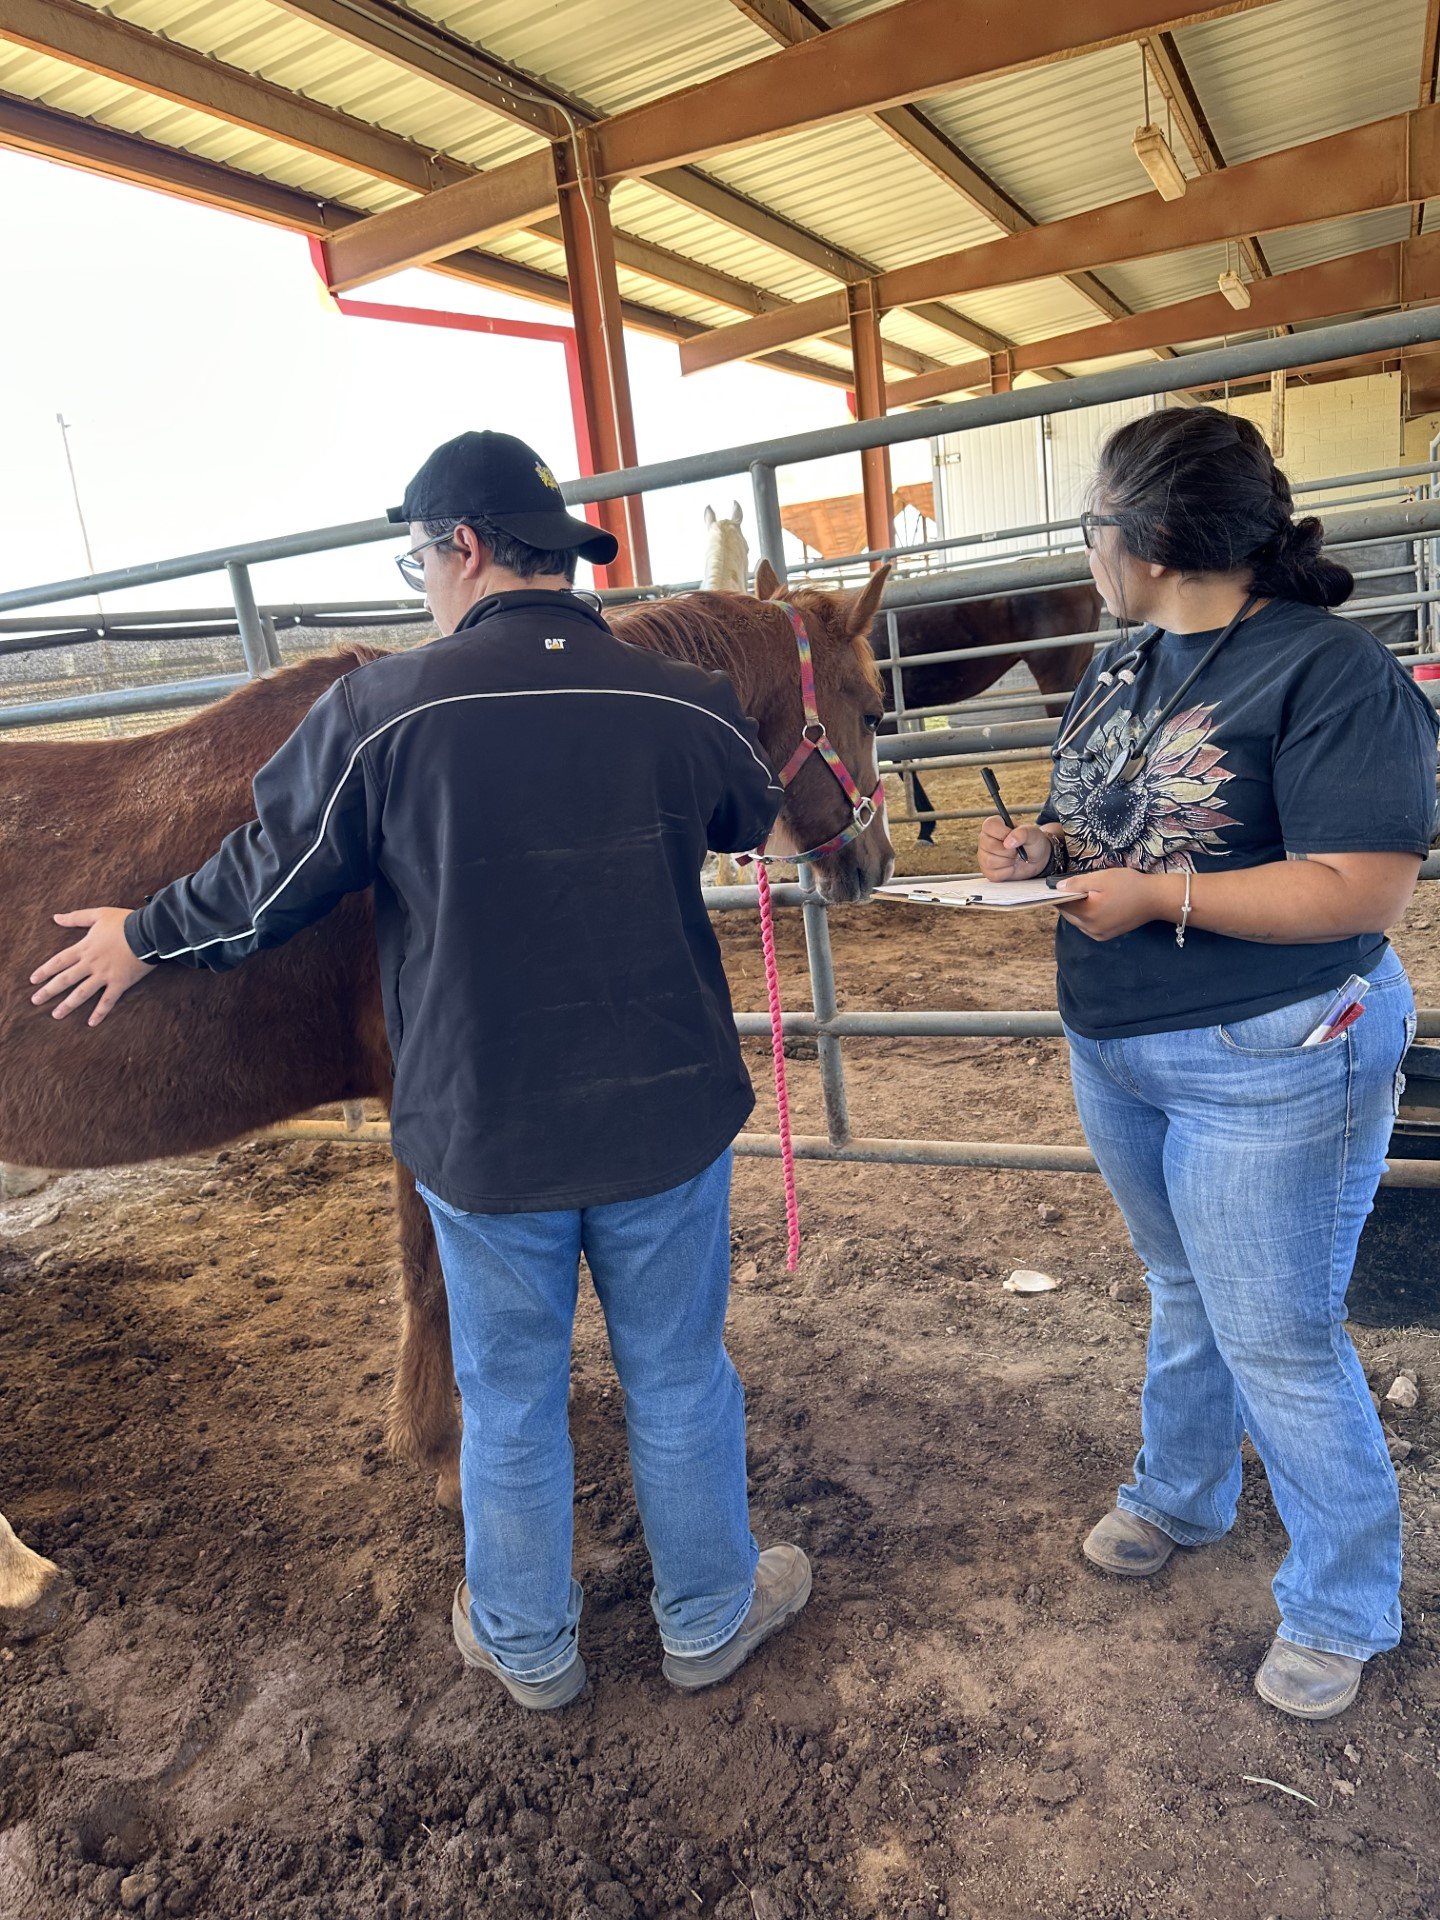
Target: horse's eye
pixel 872 722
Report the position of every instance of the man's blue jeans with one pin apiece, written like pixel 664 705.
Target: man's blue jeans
pixel 1245 1167
pixel 661 1269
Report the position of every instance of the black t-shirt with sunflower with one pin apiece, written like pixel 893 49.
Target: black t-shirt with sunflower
pixel 1301 736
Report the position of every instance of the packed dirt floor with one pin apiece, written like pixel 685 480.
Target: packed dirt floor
pixel 251 1704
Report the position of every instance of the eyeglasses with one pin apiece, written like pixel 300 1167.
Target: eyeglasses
pixel 1090 521
pixel 412 568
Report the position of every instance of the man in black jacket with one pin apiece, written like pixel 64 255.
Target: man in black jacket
pixel 531 801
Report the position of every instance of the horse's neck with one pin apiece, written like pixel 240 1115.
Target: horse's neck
pixel 738 655
pixel 724 570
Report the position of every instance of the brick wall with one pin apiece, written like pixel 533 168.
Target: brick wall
pixel 1339 426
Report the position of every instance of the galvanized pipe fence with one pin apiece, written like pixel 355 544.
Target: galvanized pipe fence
pixel 963 745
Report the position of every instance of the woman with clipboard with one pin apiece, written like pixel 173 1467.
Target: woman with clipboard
pixel 1247 789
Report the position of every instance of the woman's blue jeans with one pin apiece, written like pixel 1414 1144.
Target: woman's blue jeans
pixel 1245 1167
pixel 661 1268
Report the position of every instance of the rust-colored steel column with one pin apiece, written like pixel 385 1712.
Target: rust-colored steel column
pixel 865 353
pixel 604 378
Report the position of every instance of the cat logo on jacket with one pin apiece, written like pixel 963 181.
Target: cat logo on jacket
pixel 554 645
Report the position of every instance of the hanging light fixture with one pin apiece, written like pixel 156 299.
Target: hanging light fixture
pixel 1235 290
pixel 1154 151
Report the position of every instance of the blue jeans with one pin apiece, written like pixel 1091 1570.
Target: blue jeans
pixel 1245 1168
pixel 661 1269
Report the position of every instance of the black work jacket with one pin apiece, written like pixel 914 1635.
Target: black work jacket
pixel 531 800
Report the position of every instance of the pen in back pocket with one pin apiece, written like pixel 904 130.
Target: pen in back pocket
pixel 1350 995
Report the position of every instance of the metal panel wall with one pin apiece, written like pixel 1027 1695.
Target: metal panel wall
pixel 993 477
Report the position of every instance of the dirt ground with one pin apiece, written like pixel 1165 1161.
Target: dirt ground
pixel 253 1706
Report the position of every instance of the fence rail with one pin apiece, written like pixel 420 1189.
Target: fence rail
pixel 1004 740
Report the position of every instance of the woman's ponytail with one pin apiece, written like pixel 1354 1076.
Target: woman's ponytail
pixel 1292 567
pixel 1196 489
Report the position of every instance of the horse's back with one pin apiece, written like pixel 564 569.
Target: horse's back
pixel 189 1058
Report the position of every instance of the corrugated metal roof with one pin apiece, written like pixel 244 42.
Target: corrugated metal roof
pixel 1303 246
pixel 614 55
pixel 72 90
pixel 645 211
pixel 1056 139
pixel 1299 69
pixel 855 184
pixel 264 39
pixel 1031 311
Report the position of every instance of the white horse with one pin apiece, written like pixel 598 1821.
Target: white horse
pixel 727 554
pixel 726 570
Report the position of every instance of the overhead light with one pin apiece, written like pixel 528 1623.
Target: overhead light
pixel 1157 156
pixel 1234 288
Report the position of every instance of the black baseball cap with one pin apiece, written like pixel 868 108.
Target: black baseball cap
pixel 495 477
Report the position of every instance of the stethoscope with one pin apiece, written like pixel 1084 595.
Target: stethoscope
pixel 1128 762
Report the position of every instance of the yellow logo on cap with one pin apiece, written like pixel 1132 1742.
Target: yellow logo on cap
pixel 546 475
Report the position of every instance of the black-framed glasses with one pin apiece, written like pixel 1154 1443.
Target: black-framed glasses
pixel 412 568
pixel 1090 521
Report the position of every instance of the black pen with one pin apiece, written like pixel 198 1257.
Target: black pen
pixel 993 788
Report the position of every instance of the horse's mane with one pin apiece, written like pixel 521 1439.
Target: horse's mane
pixel 705 629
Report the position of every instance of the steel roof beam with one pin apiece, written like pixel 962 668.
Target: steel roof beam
pixel 50 135
pixel 905 52
pixel 84 37
pixel 1389 163
pixel 1404 273
pixel 422 47
pixel 790 22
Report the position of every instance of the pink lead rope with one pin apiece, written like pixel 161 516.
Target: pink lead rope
pixel 777 1049
pixel 813 739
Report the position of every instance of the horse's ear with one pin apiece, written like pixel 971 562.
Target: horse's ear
pixel 864 605
pixel 767 581
pixel 709 516
pixel 735 514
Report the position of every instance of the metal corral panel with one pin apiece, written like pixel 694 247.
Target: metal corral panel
pixel 1299 69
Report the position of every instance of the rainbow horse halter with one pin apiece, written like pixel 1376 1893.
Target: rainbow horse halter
pixel 814 739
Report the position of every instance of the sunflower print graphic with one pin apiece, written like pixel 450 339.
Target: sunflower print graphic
pixel 1161 819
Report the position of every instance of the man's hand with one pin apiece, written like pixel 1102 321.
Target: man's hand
pixel 1012 853
pixel 100 962
pixel 1118 899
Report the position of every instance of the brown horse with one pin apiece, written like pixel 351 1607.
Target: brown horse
pixel 1000 622
pixel 195 1059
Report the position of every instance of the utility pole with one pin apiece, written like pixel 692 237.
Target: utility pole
pixel 106 662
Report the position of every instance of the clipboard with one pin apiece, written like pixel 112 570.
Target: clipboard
pixel 974 890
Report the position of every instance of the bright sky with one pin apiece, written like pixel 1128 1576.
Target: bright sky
pixel 214 395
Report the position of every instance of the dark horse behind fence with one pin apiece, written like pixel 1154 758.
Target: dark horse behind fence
pixel 194 1059
pixel 1002 621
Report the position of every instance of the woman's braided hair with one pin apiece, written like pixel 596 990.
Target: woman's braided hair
pixel 1196 489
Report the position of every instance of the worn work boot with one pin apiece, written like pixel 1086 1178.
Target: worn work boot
pixel 1307 1683
pixel 782 1586
pixel 542 1695
pixel 1124 1543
